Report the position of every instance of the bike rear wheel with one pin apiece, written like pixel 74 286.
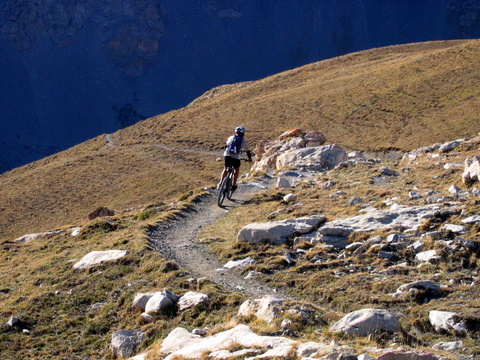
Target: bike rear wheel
pixel 224 190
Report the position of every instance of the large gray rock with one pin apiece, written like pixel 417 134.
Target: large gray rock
pixel 96 257
pixel 125 342
pixel 472 170
pixel 158 303
pixel 277 232
pixel 367 321
pixel 404 217
pixel 324 157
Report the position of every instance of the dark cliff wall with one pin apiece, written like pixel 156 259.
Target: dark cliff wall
pixel 74 69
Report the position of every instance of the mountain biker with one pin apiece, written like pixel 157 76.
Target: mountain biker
pixel 232 154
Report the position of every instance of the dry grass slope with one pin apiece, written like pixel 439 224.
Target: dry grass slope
pixel 395 97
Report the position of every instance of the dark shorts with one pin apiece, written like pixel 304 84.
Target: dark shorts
pixel 229 161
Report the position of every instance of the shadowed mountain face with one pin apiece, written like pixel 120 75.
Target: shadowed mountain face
pixel 74 69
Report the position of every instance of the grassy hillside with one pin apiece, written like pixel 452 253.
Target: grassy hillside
pixel 396 97
pixel 400 97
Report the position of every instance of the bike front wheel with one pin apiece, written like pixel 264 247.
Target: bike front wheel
pixel 224 190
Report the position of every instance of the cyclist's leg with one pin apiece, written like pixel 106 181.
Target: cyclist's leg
pixel 235 176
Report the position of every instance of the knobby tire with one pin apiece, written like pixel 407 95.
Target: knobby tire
pixel 224 190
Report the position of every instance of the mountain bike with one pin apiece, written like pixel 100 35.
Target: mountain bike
pixel 225 189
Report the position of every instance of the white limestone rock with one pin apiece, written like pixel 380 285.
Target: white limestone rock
pixel 266 308
pixel 446 321
pixel 427 256
pixel 191 298
pixel 158 303
pixel 237 264
pixel 325 157
pixel 456 229
pixel 405 217
pixel 277 232
pixel 367 321
pixel 471 173
pixel 182 343
pixel 96 257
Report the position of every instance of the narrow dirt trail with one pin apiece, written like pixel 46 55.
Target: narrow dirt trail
pixel 175 241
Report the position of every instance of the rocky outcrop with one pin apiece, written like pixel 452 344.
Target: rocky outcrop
pixel 277 232
pixel 319 158
pixel 397 216
pixel 268 152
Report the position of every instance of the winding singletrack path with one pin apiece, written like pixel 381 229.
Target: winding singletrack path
pixel 175 241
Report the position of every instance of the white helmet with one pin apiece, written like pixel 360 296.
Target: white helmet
pixel 240 129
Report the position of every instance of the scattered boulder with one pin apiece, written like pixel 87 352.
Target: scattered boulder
pixel 235 264
pixel 125 342
pixel 427 256
pixel 471 173
pixel 283 183
pixel 367 321
pixel 448 345
pixel 387 172
pixel 355 201
pixel 454 190
pixel 278 232
pixel 472 220
pixel 448 146
pixel 407 355
pixel 140 300
pixel 96 257
pixel 266 308
pixel 456 229
pixel 191 298
pixel 14 321
pixel 100 212
pixel 446 321
pixel 423 289
pixel 158 303
pixel 289 198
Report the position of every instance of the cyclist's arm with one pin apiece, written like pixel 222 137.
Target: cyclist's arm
pixel 249 154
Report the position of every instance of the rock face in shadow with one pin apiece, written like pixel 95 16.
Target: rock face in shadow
pixel 74 69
